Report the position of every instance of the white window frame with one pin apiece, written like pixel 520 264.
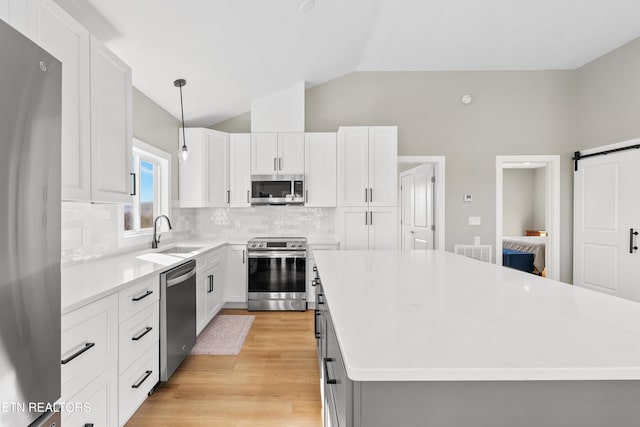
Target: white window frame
pixel 162 197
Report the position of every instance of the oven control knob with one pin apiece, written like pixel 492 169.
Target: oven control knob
pixel 261 244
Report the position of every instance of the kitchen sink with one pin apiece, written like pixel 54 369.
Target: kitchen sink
pixel 180 250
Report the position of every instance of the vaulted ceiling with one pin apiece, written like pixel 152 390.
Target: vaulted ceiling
pixel 233 51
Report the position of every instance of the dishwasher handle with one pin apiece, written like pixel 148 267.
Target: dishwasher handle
pixel 180 279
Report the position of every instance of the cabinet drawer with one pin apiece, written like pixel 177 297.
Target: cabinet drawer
pixel 137 381
pixel 99 400
pixel 89 338
pixel 139 296
pixel 214 257
pixel 138 334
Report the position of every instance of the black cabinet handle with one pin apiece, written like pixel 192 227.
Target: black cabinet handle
pixel 228 196
pixel 210 284
pixel 326 372
pixel 315 268
pixel 632 247
pixel 142 334
pixel 133 184
pixel 314 282
pixel 243 251
pixel 143 379
pixel 88 424
pixel 86 347
pixel 146 294
pixel 248 196
pixel 318 334
pixel 370 195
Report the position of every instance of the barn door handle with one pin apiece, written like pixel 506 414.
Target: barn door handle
pixel 632 234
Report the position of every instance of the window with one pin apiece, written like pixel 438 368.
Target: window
pixel 150 171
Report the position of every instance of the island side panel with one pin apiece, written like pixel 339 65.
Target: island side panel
pixel 498 404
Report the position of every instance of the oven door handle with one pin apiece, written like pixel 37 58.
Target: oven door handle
pixel 277 254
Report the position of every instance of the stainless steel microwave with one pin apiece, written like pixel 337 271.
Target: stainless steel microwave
pixel 277 189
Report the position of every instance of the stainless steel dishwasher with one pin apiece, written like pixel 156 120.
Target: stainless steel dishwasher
pixel 177 316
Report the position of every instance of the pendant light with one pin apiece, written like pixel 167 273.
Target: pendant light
pixel 184 152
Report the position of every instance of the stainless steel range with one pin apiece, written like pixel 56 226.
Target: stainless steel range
pixel 277 273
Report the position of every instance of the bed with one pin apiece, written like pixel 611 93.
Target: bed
pixel 527 244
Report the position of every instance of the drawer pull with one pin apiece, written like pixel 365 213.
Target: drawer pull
pixel 86 347
pixel 143 379
pixel 315 268
pixel 142 334
pixel 314 282
pixel 88 424
pixel 326 371
pixel 146 294
pixel 318 333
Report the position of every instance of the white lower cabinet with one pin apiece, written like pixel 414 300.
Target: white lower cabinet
pixel 368 228
pixel 236 289
pixel 211 275
pixel 96 404
pixel 110 356
pixel 139 345
pixel 137 381
pixel 89 361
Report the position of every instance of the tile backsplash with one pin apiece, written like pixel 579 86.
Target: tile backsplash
pixel 91 231
pixel 265 221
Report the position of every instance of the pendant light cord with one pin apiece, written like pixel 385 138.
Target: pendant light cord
pixel 184 138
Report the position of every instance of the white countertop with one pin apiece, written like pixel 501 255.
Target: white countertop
pixel 437 316
pixel 90 281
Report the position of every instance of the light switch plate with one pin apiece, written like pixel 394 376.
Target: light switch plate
pixel 474 220
pixel 467 198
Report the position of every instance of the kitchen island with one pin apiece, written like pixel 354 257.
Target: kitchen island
pixel 429 338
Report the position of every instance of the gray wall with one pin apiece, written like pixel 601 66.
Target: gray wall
pixel 238 124
pixel 155 126
pixel 539 199
pixel 513 112
pixel 518 202
pixel 608 98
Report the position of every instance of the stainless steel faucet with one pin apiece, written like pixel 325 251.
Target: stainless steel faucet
pixel 156 240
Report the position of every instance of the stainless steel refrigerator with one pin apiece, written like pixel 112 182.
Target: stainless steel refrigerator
pixel 30 108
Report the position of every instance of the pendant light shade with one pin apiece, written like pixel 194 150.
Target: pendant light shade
pixel 184 151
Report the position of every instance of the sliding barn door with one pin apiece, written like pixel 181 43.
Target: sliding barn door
pixel 606 214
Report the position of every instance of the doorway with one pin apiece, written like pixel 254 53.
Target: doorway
pixel 422 202
pixel 528 217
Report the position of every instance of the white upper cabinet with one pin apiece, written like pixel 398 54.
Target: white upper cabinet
pixel 291 153
pixel 67 40
pixel 353 166
pixel 383 166
pixel 96 103
pixel 277 153
pixel 320 169
pixel 367 166
pixel 217 168
pixel 111 127
pixel 20 15
pixel 264 153
pixel 204 177
pixel 240 169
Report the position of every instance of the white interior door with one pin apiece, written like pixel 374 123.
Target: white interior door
pixel 406 211
pixel 606 212
pixel 417 204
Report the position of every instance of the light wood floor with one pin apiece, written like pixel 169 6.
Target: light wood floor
pixel 274 381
